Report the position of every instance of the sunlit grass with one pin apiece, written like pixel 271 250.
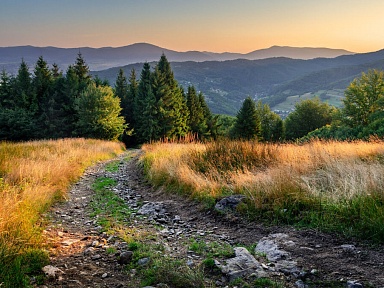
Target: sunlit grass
pixel 330 185
pixel 32 176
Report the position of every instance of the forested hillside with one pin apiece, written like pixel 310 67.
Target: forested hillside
pixel 226 84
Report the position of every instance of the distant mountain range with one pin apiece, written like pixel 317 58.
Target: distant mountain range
pixel 274 80
pixel 277 75
pixel 108 57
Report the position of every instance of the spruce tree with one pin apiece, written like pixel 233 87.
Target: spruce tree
pixel 248 124
pixel 196 120
pixel 42 83
pixel 24 95
pixel 57 118
pixel 69 92
pixel 173 111
pixel 210 119
pixel 82 72
pixel 6 100
pixel 145 108
pixel 131 96
pixel 16 122
pixel 121 86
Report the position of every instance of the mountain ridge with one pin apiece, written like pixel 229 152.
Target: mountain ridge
pixel 227 83
pixel 108 57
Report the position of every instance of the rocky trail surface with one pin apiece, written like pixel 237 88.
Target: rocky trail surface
pixel 82 255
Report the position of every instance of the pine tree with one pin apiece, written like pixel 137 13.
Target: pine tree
pixel 57 116
pixel 24 95
pixel 131 96
pixel 248 124
pixel 6 100
pixel 56 72
pixel 173 111
pixel 145 109
pixel 69 92
pixel 17 123
pixel 196 120
pixel 210 119
pixel 82 71
pixel 42 83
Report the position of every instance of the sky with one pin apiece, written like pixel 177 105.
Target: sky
pixel 204 25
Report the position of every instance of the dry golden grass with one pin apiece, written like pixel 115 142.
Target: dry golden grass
pixel 335 186
pixel 34 174
pixel 335 170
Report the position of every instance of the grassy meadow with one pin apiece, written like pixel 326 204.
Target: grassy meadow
pixel 333 186
pixel 33 175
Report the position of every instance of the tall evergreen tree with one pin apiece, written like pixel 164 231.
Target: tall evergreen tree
pixel 24 95
pixel 121 86
pixel 16 122
pixel 82 71
pixel 57 116
pixel 196 120
pixel 131 96
pixel 42 82
pixel 6 100
pixel 145 109
pixel 210 119
pixel 248 124
pixel 173 111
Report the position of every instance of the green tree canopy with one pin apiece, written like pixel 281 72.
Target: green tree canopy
pixel 271 124
pixel 98 113
pixel 362 98
pixel 308 116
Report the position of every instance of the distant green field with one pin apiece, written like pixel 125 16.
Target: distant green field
pixel 332 97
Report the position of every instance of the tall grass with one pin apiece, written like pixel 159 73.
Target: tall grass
pixel 337 186
pixel 32 176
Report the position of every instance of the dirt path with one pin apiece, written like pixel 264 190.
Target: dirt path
pixel 82 254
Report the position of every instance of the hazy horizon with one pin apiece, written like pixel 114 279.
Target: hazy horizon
pixel 153 44
pixel 240 26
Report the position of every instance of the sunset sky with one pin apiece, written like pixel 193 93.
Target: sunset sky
pixel 205 25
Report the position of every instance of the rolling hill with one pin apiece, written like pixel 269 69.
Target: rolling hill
pixel 226 83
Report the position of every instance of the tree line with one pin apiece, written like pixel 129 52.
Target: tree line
pixel 50 104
